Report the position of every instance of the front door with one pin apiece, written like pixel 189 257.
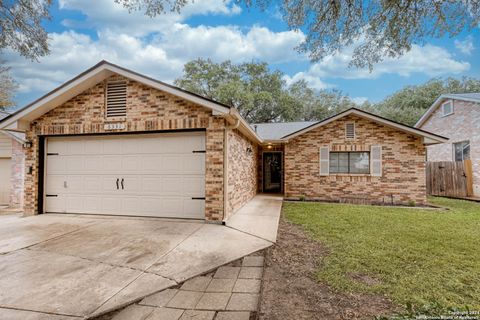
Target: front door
pixel 272 172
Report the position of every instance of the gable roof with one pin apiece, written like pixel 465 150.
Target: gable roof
pixel 470 97
pixel 276 130
pixel 428 137
pixel 92 76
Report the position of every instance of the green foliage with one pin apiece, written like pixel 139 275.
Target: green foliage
pixel 409 104
pixel 7 87
pixel 21 27
pixel 260 95
pixel 423 259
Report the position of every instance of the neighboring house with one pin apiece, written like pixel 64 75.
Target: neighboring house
pixel 11 167
pixel 456 116
pixel 112 141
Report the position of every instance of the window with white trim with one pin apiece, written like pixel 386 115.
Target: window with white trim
pixel 350 130
pixel 461 151
pixel 447 108
pixel 116 99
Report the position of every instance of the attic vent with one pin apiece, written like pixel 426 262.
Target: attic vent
pixel 116 99
pixel 350 130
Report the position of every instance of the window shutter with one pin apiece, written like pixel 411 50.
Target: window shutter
pixel 324 161
pixel 350 130
pixel 376 161
pixel 116 98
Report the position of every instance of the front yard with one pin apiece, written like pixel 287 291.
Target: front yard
pixel 426 259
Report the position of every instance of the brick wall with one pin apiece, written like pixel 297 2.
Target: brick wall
pixel 463 124
pixel 148 109
pixel 403 165
pixel 242 171
pixel 17 177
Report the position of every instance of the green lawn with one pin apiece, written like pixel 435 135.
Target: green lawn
pixel 421 257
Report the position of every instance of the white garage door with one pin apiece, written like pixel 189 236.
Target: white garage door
pixel 5 169
pixel 160 175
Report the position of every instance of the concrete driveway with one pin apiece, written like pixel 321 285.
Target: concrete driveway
pixel 72 266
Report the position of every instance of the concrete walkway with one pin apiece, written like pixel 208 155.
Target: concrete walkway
pixel 259 217
pixel 67 266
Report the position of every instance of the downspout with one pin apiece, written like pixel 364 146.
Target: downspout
pixel 225 166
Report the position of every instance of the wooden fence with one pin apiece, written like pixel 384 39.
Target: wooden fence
pixel 450 178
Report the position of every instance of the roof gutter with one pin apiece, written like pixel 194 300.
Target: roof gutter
pixel 234 116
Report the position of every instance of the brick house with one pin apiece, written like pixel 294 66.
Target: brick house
pixel 112 141
pixel 11 167
pixel 456 116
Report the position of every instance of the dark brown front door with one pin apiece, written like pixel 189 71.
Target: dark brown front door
pixel 272 172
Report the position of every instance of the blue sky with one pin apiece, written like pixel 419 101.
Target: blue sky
pixel 82 32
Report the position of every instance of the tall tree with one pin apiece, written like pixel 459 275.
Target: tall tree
pixel 7 87
pixel 377 29
pixel 21 28
pixel 259 94
pixel 408 104
pixel 318 105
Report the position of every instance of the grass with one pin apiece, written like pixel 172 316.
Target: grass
pixel 421 258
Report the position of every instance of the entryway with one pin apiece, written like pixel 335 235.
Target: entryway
pixel 272 172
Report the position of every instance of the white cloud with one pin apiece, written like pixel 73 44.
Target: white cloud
pixel 466 46
pixel 359 100
pixel 107 15
pixel 313 81
pixel 429 60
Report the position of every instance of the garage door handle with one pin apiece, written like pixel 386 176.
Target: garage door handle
pixel 117 183
pixel 198 198
pixel 122 184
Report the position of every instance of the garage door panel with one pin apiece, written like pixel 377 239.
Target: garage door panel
pixel 151 163
pixel 132 184
pixel 75 147
pixel 74 203
pixel 112 163
pixel 5 173
pixel 55 204
pixel 55 184
pixel 161 174
pixel 111 205
pixel 194 186
pixel 194 164
pixel 75 164
pixel 57 146
pixel 74 184
pixel 56 165
pixel 109 184
pixel 191 207
pixel 93 164
pixel 131 164
pixel 92 204
pixel 93 146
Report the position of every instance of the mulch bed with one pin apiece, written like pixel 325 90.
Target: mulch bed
pixel 290 289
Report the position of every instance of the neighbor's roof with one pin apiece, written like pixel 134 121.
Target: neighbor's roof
pixel 92 76
pixel 20 137
pixel 429 138
pixel 277 130
pixel 471 97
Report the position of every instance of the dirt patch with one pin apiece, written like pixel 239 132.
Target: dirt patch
pixel 291 291
pixel 364 279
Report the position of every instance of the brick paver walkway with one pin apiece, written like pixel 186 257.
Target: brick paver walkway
pixel 229 293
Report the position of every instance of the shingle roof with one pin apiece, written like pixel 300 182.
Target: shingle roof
pixel 473 95
pixel 277 130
